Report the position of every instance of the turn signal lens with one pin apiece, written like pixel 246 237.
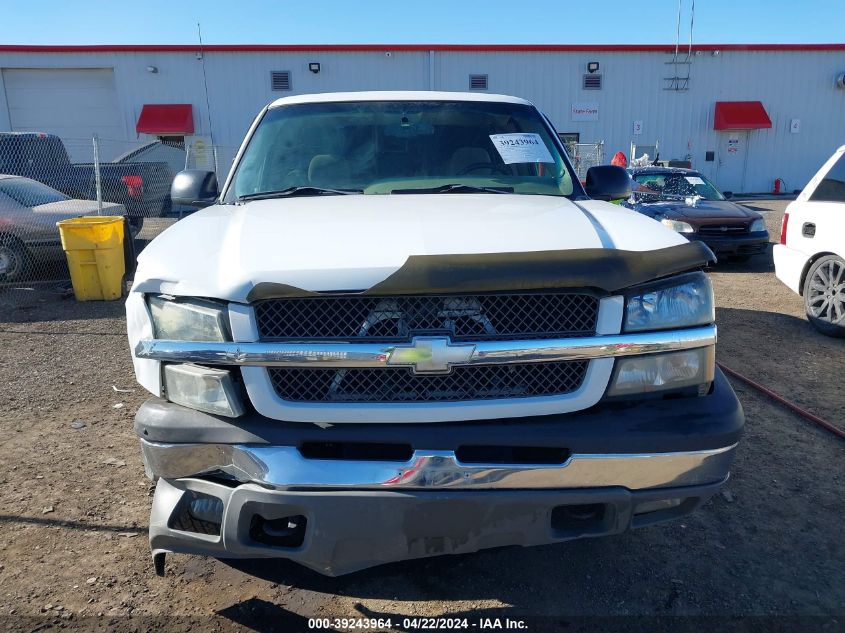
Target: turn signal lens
pixel 661 372
pixel 203 389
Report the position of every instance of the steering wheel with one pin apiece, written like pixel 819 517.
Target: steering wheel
pixel 491 166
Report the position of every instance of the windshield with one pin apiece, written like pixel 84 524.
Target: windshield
pixel 30 193
pixel 676 185
pixel 394 146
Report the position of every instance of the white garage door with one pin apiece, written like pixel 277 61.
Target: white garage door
pixel 74 103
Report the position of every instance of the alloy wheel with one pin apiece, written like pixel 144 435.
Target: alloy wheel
pixel 827 291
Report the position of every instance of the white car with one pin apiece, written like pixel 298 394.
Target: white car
pixel 810 258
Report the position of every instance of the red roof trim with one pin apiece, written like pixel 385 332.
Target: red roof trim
pixel 166 118
pixel 294 48
pixel 741 115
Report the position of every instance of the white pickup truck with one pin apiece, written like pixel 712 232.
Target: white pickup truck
pixel 403 328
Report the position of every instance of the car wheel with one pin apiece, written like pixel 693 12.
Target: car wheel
pixel 14 260
pixel 824 295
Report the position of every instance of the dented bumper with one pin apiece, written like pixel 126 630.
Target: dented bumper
pixel 254 488
pixel 338 532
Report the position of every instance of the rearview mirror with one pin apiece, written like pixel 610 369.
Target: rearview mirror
pixel 195 188
pixel 608 182
pixel 728 194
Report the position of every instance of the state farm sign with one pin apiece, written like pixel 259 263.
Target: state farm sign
pixel 585 111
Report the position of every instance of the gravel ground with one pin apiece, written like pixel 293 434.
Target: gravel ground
pixel 75 504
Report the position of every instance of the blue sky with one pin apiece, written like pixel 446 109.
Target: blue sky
pixel 418 21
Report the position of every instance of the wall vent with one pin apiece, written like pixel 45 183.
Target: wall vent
pixel 592 81
pixel 280 80
pixel 478 82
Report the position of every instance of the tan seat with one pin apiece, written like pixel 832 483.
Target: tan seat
pixel 328 171
pixel 463 157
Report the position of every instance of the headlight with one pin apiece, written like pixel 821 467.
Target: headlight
pixel 677 225
pixel 684 301
pixel 758 225
pixel 194 320
pixel 202 388
pixel 661 372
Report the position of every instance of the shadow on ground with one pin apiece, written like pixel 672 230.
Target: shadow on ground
pixel 762 263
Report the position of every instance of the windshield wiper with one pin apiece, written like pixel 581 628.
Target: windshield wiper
pixel 291 192
pixel 456 188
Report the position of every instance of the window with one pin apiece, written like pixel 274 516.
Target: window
pixel 29 193
pixel 386 147
pixel 832 186
pixel 478 82
pixel 674 185
pixel 280 80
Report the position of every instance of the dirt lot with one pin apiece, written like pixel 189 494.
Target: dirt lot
pixel 75 504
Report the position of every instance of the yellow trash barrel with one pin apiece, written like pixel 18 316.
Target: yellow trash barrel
pixel 94 249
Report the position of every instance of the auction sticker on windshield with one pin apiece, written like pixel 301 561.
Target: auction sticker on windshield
pixel 521 148
pixel 694 180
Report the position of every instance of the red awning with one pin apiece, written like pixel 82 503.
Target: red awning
pixel 163 119
pixel 741 115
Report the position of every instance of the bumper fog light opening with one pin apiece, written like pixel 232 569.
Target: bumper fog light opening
pixel 287 532
pixel 198 513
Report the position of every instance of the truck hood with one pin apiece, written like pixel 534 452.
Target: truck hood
pixel 352 242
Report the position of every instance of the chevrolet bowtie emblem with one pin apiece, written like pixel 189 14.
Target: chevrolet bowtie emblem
pixel 431 354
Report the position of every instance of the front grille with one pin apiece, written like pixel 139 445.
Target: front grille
pixel 723 229
pixel 480 382
pixel 463 317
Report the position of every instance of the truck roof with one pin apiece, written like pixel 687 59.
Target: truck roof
pixel 397 95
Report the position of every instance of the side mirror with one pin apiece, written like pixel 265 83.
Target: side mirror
pixel 195 188
pixel 728 194
pixel 608 182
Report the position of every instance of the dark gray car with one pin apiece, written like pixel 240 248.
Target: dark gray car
pixel 686 201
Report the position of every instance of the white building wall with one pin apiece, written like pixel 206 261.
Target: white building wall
pixel 790 84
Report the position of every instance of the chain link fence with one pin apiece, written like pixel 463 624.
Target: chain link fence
pixel 584 156
pixel 45 178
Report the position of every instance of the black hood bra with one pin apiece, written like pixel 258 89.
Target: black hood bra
pixel 608 270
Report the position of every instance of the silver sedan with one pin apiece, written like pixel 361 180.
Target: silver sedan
pixel 30 247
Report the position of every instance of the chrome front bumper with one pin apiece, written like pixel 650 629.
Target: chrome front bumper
pixel 369 355
pixel 629 466
pixel 284 468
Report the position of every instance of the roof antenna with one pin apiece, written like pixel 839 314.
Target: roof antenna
pixel 207 101
pixel 677 32
pixel 691 24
